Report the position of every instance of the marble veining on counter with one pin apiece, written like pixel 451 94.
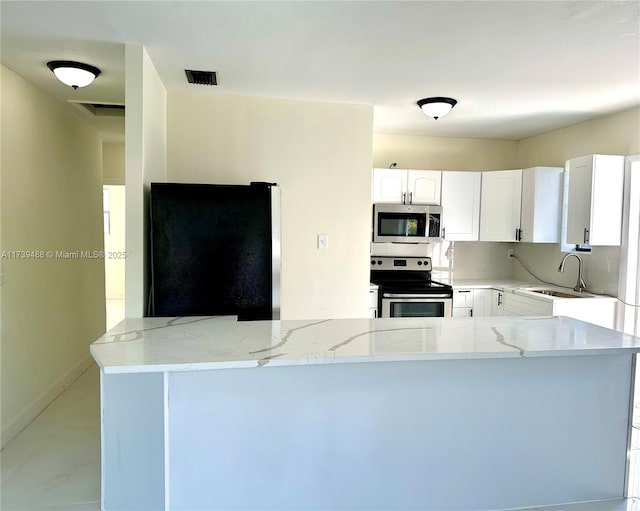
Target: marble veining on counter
pixel 194 343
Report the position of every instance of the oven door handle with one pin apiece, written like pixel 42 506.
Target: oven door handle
pixel 392 295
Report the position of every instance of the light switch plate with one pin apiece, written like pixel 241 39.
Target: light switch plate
pixel 323 241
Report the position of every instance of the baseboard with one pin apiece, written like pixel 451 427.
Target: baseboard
pixel 37 405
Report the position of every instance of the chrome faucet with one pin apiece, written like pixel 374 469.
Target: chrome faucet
pixel 580 285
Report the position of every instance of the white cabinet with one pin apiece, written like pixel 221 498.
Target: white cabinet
pixel 462 312
pixel 373 301
pixel 389 185
pixel 462 302
pixel 398 186
pixel 482 302
pixel 461 205
pixel 497 302
pixel 521 205
pixel 471 302
pixel 500 205
pixel 541 211
pixel 423 186
pixel 594 209
pixel 518 305
pixel 598 311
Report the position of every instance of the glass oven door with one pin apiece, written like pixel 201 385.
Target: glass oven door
pixel 416 306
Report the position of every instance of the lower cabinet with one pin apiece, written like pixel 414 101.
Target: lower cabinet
pixel 482 302
pixel 373 301
pixel 518 305
pixel 471 302
pixel 493 302
pixel 497 302
pixel 462 302
pixel 462 312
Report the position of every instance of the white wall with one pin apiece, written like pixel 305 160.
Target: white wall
pixel 443 153
pixel 613 134
pixel 320 155
pixel 145 162
pixel 52 309
pixel 113 163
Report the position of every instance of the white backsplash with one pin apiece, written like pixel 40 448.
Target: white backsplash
pixel 460 259
pixel 488 260
pixel 601 267
pixel 481 260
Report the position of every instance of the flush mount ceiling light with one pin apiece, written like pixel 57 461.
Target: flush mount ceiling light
pixel 73 74
pixel 436 107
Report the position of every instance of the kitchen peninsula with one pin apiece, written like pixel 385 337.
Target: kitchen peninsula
pixel 205 413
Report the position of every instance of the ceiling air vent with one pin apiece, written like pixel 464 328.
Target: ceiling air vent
pixel 201 77
pixel 104 110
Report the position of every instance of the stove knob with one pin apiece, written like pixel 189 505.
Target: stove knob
pixel 419 263
pixel 426 263
pixel 373 261
pixel 379 262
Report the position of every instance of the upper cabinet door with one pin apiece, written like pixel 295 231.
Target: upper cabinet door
pixel 594 209
pixel 423 186
pixel 579 200
pixel 500 205
pixel 461 205
pixel 389 185
pixel 541 214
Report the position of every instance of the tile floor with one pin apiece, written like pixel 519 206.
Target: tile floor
pixel 54 464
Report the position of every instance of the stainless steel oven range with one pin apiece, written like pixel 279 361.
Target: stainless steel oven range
pixel 406 288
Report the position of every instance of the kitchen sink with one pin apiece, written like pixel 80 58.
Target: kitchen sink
pixel 559 294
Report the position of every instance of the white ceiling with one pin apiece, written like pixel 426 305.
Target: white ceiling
pixel 517 68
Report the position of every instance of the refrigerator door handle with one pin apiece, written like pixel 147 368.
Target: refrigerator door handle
pixel 276 251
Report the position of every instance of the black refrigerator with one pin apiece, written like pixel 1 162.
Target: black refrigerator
pixel 215 250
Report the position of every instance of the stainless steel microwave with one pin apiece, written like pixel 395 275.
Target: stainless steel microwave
pixel 406 223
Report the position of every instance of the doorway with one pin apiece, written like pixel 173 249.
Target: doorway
pixel 113 200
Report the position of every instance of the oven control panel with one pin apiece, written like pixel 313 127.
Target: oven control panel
pixel 400 263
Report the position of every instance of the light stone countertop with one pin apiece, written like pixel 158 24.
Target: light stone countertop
pixel 525 288
pixel 199 343
pixel 499 284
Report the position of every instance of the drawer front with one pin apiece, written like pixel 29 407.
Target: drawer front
pixel 373 298
pixel 462 298
pixel 516 305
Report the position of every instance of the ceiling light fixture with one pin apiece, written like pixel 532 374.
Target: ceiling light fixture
pixel 436 107
pixel 73 74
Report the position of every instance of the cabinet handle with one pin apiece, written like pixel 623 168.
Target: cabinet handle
pixel 404 197
pixel 499 299
pixel 410 197
pixel 518 234
pixel 586 236
pixel 471 313
pixel 464 291
pixel 443 233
